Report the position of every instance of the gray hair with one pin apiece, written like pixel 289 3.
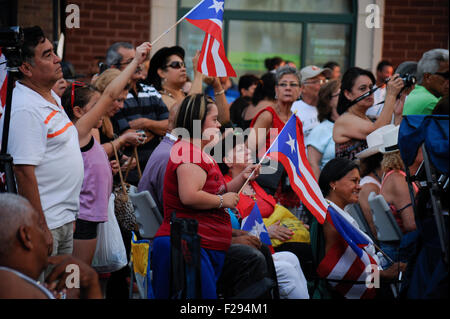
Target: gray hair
pixel 113 57
pixel 15 211
pixel 282 71
pixel 407 67
pixel 429 63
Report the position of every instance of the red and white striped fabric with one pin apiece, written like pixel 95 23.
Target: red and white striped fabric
pixel 347 265
pixel 208 16
pixel 289 150
pixel 3 80
pixel 213 60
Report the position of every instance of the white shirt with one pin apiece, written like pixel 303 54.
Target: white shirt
pixel 307 114
pixel 42 135
pixel 378 97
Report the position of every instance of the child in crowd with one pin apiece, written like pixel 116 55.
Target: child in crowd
pixel 86 107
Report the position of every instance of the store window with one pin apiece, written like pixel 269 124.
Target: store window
pixel 304 32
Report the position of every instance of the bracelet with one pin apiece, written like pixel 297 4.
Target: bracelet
pixel 219 93
pixel 221 201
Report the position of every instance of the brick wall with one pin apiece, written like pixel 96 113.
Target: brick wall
pixel 36 12
pixel 412 27
pixel 103 22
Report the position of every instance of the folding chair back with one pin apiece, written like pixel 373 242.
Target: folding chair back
pixel 148 217
pixel 387 228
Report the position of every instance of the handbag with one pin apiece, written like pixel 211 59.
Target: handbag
pixel 287 219
pixel 110 253
pixel 123 207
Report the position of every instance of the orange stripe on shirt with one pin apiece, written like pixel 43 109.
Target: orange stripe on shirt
pixel 60 131
pixel 50 116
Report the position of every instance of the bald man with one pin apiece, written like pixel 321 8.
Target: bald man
pixel 24 251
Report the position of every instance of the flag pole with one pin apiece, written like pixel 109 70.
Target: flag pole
pixel 264 156
pixel 173 26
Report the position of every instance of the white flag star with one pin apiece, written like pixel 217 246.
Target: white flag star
pixel 217 6
pixel 257 229
pixel 291 143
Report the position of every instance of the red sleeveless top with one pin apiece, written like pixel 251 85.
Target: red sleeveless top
pixel 277 124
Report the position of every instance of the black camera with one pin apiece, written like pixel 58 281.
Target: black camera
pixel 408 80
pixel 11 40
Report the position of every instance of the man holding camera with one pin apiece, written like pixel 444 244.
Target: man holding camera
pixel 44 144
pixel 432 79
pixel 143 108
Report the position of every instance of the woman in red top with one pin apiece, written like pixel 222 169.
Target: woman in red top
pixel 195 188
pixel 271 120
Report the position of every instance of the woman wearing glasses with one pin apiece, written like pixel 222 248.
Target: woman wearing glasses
pixel 271 121
pixel 167 73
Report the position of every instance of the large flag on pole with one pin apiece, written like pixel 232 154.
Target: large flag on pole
pixel 3 81
pixel 346 263
pixel 289 150
pixel 208 16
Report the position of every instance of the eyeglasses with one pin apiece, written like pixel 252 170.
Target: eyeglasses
pixel 176 65
pixel 322 81
pixel 124 63
pixel 285 84
pixel 443 74
pixel 72 96
pixel 335 95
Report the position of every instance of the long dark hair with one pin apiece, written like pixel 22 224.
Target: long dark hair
pixel 348 81
pixel 333 171
pixel 325 96
pixel 265 88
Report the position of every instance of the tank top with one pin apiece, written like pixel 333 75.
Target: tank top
pixel 97 183
pixel 350 148
pixel 397 211
pixel 277 123
pixel 214 225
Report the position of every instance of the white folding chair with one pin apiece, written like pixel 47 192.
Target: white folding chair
pixel 385 224
pixel 148 220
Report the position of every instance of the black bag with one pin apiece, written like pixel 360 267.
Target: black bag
pixel 185 280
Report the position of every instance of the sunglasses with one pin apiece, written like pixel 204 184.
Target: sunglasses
pixel 176 65
pixel 74 85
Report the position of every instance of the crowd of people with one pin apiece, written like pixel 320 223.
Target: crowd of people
pixel 71 140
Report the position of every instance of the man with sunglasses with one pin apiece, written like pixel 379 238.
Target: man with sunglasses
pixel 313 78
pixel 44 143
pixel 432 83
pixel 143 108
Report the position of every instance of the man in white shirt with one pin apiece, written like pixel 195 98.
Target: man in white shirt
pixel 44 143
pixel 384 71
pixel 313 78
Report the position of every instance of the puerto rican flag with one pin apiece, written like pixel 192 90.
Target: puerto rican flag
pixel 347 265
pixel 208 16
pixel 288 149
pixel 254 224
pixel 3 81
pixel 347 262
